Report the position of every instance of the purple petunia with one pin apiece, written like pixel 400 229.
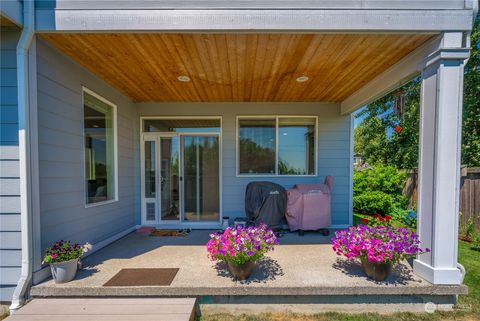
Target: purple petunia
pixel 240 245
pixel 377 243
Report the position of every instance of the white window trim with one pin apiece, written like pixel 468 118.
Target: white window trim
pixel 144 135
pixel 115 148
pixel 276 117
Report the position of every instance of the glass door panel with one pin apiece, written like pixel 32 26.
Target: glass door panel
pixel 201 200
pixel 150 172
pixel 169 179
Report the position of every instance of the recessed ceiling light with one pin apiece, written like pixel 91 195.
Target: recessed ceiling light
pixel 183 78
pixel 302 79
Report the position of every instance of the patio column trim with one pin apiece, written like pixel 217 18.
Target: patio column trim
pixel 439 160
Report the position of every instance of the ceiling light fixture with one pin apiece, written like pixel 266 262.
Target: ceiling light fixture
pixel 302 79
pixel 183 78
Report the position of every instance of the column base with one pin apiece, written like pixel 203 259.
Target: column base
pixel 441 276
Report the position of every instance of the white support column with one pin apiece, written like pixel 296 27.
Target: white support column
pixel 439 161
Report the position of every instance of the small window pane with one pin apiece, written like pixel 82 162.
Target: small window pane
pixel 257 146
pixel 296 146
pixel 99 150
pixel 150 169
pixel 182 125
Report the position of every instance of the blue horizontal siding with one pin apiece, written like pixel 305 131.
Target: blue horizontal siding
pixel 10 243
pixel 333 148
pixel 63 214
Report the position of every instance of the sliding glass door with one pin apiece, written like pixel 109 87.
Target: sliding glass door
pixel 181 179
pixel 201 178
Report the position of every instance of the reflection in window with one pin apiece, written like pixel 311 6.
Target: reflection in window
pixel 98 118
pixel 257 146
pixel 296 146
pixel 260 153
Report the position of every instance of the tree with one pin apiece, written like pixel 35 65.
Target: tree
pixel 375 137
pixel 378 142
pixel 471 103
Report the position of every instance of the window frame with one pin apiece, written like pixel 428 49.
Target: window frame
pixel 276 118
pixel 86 90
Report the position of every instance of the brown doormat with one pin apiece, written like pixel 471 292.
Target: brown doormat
pixel 143 277
pixel 169 233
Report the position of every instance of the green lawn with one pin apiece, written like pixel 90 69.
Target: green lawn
pixel 468 306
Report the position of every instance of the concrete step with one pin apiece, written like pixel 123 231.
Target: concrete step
pixel 107 309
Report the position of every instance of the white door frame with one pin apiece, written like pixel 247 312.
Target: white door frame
pixel 156 136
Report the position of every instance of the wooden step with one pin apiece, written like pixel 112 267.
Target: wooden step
pixel 107 309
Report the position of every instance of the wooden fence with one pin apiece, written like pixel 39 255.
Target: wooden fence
pixel 469 193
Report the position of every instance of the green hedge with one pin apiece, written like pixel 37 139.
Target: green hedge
pixel 378 190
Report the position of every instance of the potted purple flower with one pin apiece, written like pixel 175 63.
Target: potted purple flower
pixel 377 247
pixel 63 258
pixel 240 247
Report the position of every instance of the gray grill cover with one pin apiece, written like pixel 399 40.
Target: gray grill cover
pixel 266 202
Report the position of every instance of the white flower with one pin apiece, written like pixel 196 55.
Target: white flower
pixel 87 247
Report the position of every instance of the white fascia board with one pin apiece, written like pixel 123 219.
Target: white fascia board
pixel 13 10
pixel 400 73
pixel 262 4
pixel 257 20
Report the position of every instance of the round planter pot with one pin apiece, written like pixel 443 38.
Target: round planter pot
pixel 243 271
pixel 375 270
pixel 63 272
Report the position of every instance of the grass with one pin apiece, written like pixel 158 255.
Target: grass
pixel 468 307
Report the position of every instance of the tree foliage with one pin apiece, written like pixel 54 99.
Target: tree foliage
pixel 471 103
pixel 380 144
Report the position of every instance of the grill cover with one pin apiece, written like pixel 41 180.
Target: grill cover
pixel 266 202
pixel 309 206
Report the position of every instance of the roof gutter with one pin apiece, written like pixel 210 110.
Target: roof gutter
pixel 23 72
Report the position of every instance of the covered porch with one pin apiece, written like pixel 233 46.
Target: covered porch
pixel 231 76
pixel 302 275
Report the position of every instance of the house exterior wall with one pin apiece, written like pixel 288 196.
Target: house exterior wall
pixel 10 240
pixel 63 214
pixel 334 150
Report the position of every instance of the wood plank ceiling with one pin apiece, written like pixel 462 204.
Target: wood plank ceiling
pixel 236 67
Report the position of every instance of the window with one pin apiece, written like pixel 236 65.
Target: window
pixel 257 146
pixel 278 145
pixel 99 140
pixel 180 125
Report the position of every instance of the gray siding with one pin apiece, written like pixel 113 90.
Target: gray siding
pixel 63 214
pixel 333 148
pixel 10 245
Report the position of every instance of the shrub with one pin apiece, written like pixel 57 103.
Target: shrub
pixel 407 217
pixel 468 230
pixel 379 190
pixel 373 203
pixel 476 242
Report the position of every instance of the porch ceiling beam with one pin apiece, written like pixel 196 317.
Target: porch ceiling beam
pixel 254 20
pixel 400 73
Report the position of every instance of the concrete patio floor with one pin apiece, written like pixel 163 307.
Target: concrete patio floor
pixel 300 266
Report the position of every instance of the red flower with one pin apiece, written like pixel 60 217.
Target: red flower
pixel 398 129
pixel 388 217
pixel 375 215
pixel 364 220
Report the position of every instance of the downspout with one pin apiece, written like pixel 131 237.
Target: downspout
pixel 23 285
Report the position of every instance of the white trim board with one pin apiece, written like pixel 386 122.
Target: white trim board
pixel 292 20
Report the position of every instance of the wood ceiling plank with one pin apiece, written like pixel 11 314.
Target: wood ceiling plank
pixel 236 67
